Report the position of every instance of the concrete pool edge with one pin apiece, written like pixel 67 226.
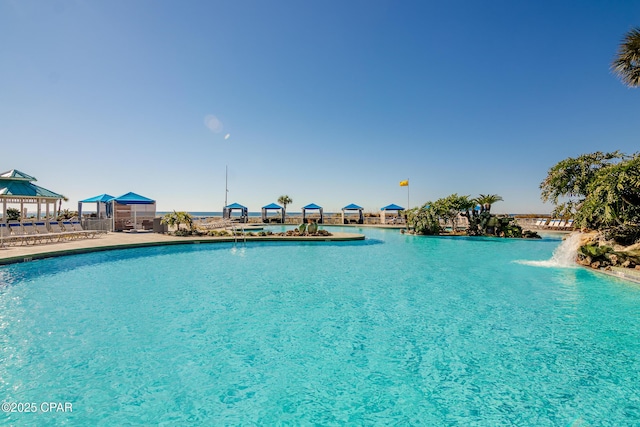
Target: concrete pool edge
pixel 115 241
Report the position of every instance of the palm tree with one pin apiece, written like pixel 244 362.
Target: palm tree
pixel 285 200
pixel 171 219
pixel 174 219
pixel 627 62
pixel 185 218
pixel 66 199
pixel 486 200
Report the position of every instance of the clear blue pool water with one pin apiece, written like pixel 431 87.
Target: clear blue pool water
pixel 394 330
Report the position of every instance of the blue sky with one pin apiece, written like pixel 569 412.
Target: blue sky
pixel 331 102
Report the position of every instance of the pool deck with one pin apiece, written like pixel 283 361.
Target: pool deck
pixel 109 241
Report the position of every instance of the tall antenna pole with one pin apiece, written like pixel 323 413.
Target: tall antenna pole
pixel 226 184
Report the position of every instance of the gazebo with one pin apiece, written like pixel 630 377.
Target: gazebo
pixel 274 218
pixel 352 208
pixel 132 209
pixel 389 208
pixel 101 205
pixel 311 207
pixel 18 188
pixel 228 210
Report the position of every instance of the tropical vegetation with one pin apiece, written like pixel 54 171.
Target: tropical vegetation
pixel 601 191
pixel 626 64
pixel 175 219
pixel 66 214
pixel 65 199
pixel 13 214
pixel 285 200
pixel 427 219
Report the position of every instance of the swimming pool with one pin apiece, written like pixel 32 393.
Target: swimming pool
pixel 391 330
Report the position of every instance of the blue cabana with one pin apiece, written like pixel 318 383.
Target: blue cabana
pixel 228 210
pixel 390 208
pixel 272 207
pixel 131 210
pixel 311 207
pixel 352 208
pixel 102 209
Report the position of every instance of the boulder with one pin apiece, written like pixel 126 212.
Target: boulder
pixel 586 261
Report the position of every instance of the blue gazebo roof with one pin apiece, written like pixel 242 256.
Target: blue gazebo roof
pixel 311 206
pixel 16 184
pixel 272 206
pixel 16 175
pixel 392 207
pixel 133 199
pixel 235 206
pixel 352 207
pixel 101 198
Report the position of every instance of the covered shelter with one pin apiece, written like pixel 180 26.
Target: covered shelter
pixel 311 207
pixel 17 188
pixel 350 209
pixel 132 211
pixel 389 209
pixel 227 212
pixel 101 205
pixel 274 218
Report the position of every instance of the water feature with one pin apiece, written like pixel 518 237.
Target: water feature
pixel 564 256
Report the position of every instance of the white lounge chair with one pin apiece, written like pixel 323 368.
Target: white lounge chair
pixel 42 229
pixel 68 228
pixel 541 222
pixel 56 227
pixel 6 237
pixel 18 232
pixel 553 223
pixel 30 230
pixel 90 233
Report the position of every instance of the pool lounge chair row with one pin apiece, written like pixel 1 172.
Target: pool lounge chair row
pixel 35 232
pixel 554 224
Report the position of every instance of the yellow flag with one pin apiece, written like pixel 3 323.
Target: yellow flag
pixel 404 183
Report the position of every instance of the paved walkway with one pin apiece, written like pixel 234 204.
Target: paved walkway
pixel 21 253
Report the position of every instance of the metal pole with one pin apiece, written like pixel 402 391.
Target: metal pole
pixel 226 184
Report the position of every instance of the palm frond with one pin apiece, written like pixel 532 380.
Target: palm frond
pixel 626 65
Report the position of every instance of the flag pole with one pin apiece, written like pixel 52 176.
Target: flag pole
pixel 408 206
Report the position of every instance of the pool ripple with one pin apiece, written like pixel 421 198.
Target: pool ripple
pixel 404 331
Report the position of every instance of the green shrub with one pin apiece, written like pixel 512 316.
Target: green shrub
pixel 623 234
pixel 594 251
pixel 13 214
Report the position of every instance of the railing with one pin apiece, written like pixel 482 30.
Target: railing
pixel 234 229
pixel 213 225
pixel 104 224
